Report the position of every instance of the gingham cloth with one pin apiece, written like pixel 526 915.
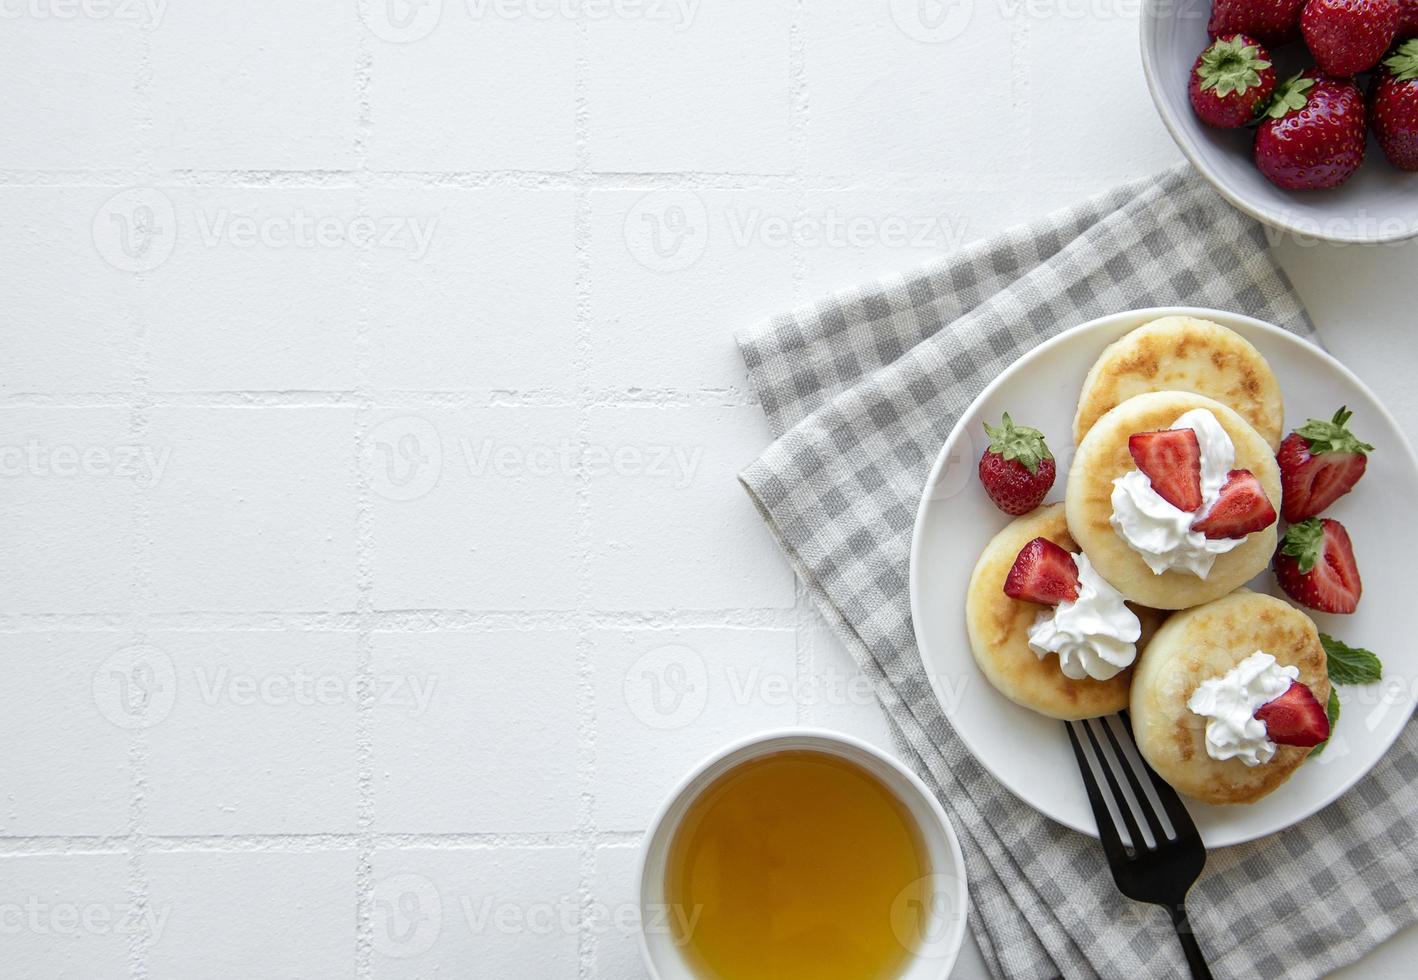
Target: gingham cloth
pixel 861 391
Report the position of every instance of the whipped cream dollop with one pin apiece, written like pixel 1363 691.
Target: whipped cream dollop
pixel 1095 636
pixel 1161 532
pixel 1229 703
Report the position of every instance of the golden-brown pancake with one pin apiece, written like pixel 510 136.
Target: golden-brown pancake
pixel 999 630
pixel 1206 642
pixel 1183 353
pixel 1103 456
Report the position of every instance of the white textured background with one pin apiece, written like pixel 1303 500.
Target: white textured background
pixel 371 560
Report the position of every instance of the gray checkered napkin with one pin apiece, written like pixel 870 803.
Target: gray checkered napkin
pixel 861 391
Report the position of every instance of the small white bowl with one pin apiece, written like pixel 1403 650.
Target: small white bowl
pixel 1377 204
pixel 938 934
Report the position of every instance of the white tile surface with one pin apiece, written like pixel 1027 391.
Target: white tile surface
pixel 664 533
pixel 488 302
pixel 260 738
pixel 70 476
pixel 472 508
pixel 492 746
pixel 655 67
pixel 69 915
pixel 486 913
pixel 259 292
pixel 254 85
pixel 255 509
pixel 484 464
pixel 423 118
pixel 233 916
pixel 54 725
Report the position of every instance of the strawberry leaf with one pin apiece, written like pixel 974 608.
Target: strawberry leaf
pixel 1403 63
pixel 1333 436
pixel 1303 542
pixel 1350 665
pixel 1290 96
pixel 1018 442
pixel 1230 66
pixel 1332 711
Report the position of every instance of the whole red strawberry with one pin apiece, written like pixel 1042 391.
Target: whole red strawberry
pixel 1271 22
pixel 1017 470
pixel 1314 133
pixel 1231 81
pixel 1349 36
pixel 1319 463
pixel 1315 566
pixel 1408 18
pixel 1393 106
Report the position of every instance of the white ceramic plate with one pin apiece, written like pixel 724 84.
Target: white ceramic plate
pixel 1377 204
pixel 1029 753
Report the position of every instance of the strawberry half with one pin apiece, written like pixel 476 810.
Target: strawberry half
pixel 1295 718
pixel 1172 461
pixel 1241 509
pixel 1043 573
pixel 1315 566
pixel 1314 133
pixel 1319 463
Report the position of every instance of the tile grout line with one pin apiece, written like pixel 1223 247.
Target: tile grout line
pixel 585 652
pixel 143 597
pixel 312 843
pixel 398 398
pixel 365 619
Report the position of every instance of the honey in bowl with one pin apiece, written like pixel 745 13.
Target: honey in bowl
pixel 798 864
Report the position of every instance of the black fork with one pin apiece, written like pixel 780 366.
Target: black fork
pixel 1153 848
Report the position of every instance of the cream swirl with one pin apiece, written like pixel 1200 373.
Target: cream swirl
pixel 1229 703
pixel 1162 533
pixel 1095 636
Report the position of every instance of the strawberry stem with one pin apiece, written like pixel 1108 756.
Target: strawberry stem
pixel 1303 542
pixel 1231 65
pixel 1018 442
pixel 1403 63
pixel 1290 96
pixel 1333 436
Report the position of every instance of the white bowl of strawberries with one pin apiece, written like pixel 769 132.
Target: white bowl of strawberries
pixel 1302 113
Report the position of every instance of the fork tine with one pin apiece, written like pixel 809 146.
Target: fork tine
pixel 1182 821
pixel 1107 830
pixel 1144 803
pixel 1124 809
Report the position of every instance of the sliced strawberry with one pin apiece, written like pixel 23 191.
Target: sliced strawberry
pixel 1319 463
pixel 1315 566
pixel 1295 718
pixel 1172 461
pixel 1242 508
pixel 1043 573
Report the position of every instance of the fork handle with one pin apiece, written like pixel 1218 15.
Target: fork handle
pixel 1195 961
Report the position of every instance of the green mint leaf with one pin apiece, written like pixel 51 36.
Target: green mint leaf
pixel 1332 436
pixel 1303 541
pixel 1332 710
pixel 1018 442
pixel 1350 665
